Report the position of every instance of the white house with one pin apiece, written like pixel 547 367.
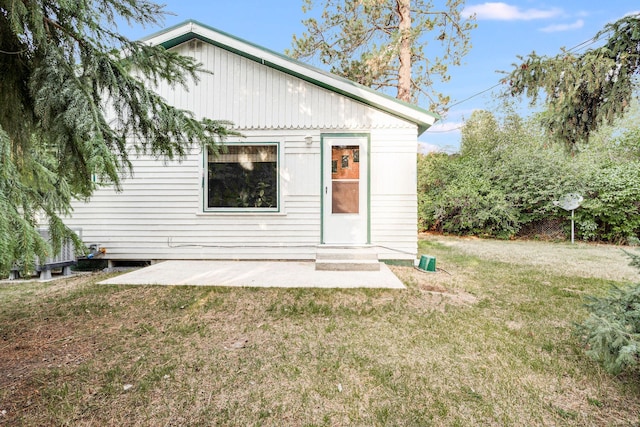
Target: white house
pixel 322 161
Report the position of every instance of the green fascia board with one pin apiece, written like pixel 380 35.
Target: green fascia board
pixel 189 35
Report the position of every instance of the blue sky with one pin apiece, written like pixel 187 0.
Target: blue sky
pixel 505 29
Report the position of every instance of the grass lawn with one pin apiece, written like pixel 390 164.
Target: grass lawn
pixel 488 342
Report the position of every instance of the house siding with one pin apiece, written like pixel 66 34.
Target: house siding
pixel 159 213
pixel 254 97
pixel 394 210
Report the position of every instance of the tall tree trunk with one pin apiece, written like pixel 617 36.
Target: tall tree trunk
pixel 404 73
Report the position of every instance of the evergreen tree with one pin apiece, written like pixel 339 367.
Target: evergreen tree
pixel 74 96
pixel 382 43
pixel 583 91
pixel 611 332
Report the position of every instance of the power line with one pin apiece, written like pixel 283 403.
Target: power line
pixel 588 43
pixel 445 131
pixel 474 95
pixel 584 44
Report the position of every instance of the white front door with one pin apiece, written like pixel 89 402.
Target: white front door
pixel 345 190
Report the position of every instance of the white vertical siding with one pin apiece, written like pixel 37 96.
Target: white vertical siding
pixel 159 214
pixel 394 209
pixel 254 96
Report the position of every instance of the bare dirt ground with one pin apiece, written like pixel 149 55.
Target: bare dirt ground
pixel 579 259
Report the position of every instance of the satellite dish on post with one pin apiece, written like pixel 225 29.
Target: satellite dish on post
pixel 570 202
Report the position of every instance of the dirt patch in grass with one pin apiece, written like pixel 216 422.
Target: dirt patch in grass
pixel 54 327
pixel 28 348
pixel 437 288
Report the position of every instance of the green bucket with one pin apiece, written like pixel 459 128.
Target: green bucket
pixel 427 263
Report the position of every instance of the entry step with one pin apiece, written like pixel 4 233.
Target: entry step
pixel 347 258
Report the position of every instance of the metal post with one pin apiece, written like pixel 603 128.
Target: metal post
pixel 572 232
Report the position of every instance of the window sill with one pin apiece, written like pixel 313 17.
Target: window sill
pixel 240 213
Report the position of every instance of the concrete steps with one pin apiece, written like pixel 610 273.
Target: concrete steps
pixel 347 258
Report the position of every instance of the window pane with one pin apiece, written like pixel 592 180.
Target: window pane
pixel 345 166
pixel 345 161
pixel 244 177
pixel 345 179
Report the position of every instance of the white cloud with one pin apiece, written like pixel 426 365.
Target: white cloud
pixel 505 12
pixel 563 27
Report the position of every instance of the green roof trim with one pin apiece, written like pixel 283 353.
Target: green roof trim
pixel 190 35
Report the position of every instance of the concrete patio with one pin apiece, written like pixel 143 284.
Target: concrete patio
pixel 264 274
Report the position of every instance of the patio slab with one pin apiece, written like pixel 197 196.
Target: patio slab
pixel 262 274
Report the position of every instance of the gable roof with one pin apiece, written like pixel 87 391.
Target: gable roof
pixel 191 29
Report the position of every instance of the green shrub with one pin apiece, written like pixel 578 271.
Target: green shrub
pixel 504 178
pixel 457 196
pixel 507 177
pixel 474 205
pixel 435 172
pixel 611 210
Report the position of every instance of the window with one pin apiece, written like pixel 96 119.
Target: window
pixel 244 177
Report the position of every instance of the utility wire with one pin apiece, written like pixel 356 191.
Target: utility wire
pixel 445 131
pixel 474 95
pixel 582 45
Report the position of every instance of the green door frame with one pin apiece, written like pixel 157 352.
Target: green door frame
pixel 322 183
